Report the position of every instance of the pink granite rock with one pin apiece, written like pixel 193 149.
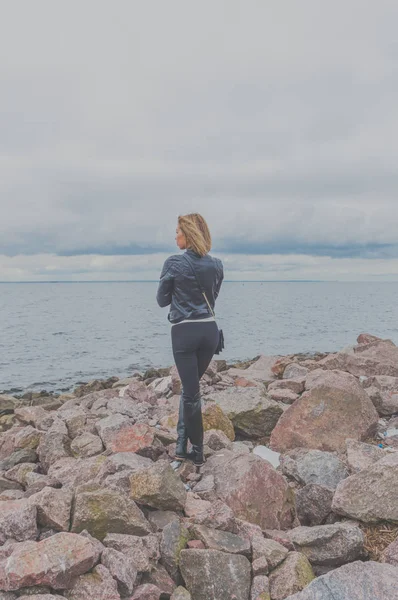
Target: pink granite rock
pixel 53 508
pixel 252 488
pixel 333 408
pixel 146 592
pixel 98 585
pixel 139 438
pixel 139 392
pixel 55 562
pixel 17 521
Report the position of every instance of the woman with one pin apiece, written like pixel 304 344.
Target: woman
pixel 194 332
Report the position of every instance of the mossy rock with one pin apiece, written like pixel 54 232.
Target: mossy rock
pixel 214 418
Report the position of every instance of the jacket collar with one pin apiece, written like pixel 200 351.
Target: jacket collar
pixel 191 252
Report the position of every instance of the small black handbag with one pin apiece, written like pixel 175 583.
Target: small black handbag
pixel 220 345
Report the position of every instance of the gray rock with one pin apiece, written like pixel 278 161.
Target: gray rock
pixel 361 456
pixel 355 581
pixel 98 584
pixel 251 413
pixel 75 420
pixel 293 575
pixel 174 539
pixel 121 568
pixel 158 486
pixel 329 545
pixel 102 511
pixel 53 508
pixel 214 539
pixel 25 455
pixel 214 575
pixel 260 588
pixel 143 551
pixel 160 518
pixel 147 591
pixel 295 371
pixel 159 576
pixel 205 488
pixel 272 551
pixel 260 566
pixel 314 466
pixel 370 495
pixel 296 385
pixel 17 521
pixel 216 439
pixel 7 484
pixel 313 504
pixel 52 447
pixel 86 445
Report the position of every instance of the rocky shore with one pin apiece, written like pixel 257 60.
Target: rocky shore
pixel 297 500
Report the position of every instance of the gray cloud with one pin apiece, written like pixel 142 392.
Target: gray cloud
pixel 277 121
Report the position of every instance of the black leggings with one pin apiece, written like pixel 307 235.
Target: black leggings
pixel 194 345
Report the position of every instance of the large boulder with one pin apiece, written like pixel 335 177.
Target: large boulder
pixel 252 414
pixel 252 488
pixel 329 545
pixel 333 408
pixel 355 581
pixel 101 511
pixel 214 575
pixel 55 561
pixel 370 495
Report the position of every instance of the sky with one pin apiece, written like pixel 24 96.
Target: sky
pixel 277 121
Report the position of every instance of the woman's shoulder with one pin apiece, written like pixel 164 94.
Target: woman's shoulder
pixel 173 261
pixel 217 261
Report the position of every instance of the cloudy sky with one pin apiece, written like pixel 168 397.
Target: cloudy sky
pixel 278 121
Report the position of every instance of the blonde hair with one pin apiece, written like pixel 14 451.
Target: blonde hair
pixel 197 233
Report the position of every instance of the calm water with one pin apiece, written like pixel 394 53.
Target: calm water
pixel 53 335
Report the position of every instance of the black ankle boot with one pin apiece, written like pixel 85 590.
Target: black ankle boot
pixel 197 455
pixel 182 436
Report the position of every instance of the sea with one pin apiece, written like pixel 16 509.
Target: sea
pixel 55 335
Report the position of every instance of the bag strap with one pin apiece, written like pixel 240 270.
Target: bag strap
pixel 199 284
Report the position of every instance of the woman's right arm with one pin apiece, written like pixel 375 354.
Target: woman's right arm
pixel 165 288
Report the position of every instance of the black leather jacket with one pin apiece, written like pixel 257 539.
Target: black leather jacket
pixel 179 288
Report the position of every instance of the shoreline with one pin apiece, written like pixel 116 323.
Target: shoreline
pixel 33 391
